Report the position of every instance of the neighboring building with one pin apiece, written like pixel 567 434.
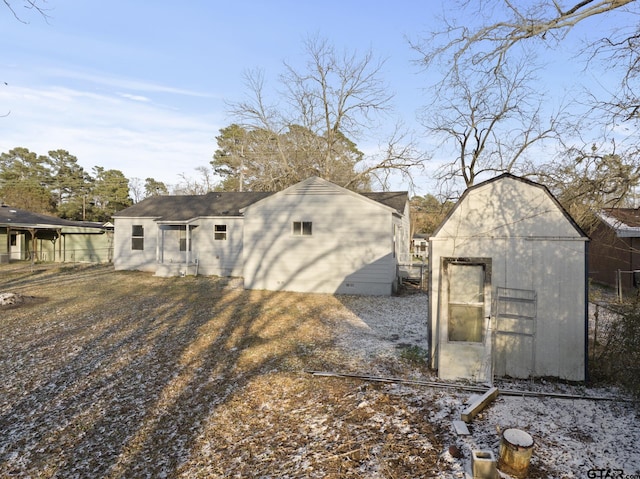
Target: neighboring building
pixel 508 286
pixel 25 235
pixel 420 246
pixel 615 246
pixel 314 236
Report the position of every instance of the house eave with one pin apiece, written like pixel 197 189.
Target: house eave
pixel 189 221
pixel 621 229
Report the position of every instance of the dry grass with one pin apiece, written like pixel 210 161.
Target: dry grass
pixel 123 374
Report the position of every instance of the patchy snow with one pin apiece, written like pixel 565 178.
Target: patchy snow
pixel 195 377
pixel 573 438
pixel 7 299
pixel 517 437
pixel 376 327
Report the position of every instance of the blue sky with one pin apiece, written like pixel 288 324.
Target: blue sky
pixel 142 86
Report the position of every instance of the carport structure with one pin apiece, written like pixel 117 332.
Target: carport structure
pixel 41 237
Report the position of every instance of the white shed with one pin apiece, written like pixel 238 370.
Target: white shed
pixel 316 236
pixel 508 286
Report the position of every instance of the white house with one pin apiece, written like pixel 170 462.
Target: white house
pixel 185 234
pixel 508 286
pixel 318 237
pixel 312 237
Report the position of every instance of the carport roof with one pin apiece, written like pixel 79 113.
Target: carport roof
pixel 17 218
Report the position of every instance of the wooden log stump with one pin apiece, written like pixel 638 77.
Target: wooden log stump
pixel 516 448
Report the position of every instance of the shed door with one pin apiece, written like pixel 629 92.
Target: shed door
pixel 465 345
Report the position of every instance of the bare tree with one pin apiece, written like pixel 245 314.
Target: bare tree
pixel 481 42
pixel 136 189
pixel 490 121
pixel 202 184
pixel 322 110
pixel 586 180
pixel 33 5
pixel 503 24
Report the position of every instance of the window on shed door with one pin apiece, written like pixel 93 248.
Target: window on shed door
pixel 302 228
pixel 466 302
pixel 220 232
pixel 137 237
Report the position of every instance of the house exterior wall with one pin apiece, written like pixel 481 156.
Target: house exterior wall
pixel 610 253
pixel 162 254
pixel 5 246
pixel 126 258
pixel 531 246
pixel 350 250
pixel 403 246
pixel 219 257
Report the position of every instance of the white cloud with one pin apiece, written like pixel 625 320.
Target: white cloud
pixel 120 83
pixel 139 138
pixel 129 96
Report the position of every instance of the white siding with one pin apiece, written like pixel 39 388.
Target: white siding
pixel 350 249
pixel 127 258
pixel 162 245
pixel 532 246
pixel 219 257
pixel 504 209
pixel 403 246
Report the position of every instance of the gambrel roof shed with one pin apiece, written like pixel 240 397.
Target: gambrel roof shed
pixel 508 285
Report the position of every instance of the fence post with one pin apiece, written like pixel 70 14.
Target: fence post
pixel 619 284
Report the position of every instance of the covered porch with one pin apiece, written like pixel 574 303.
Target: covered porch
pixel 175 254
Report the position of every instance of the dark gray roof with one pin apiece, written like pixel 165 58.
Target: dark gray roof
pixel 15 217
pixel 394 199
pixel 186 207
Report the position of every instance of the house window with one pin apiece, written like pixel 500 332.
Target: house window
pixel 137 237
pixel 302 228
pixel 183 239
pixel 220 232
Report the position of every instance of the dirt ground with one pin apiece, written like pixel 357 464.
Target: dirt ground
pixel 123 374
pixel 110 374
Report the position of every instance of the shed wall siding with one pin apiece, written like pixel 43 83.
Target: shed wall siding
pixel 504 209
pixel 555 271
pixel 350 249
